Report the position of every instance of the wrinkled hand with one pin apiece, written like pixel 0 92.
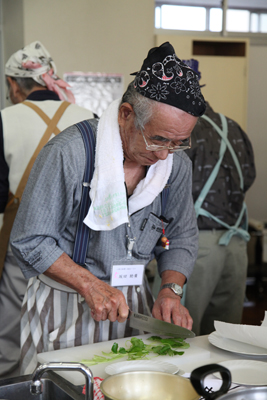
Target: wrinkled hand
pixel 168 308
pixel 106 302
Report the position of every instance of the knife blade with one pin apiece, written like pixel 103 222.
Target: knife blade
pixel 153 325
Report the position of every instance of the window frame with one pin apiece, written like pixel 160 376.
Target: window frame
pixel 256 38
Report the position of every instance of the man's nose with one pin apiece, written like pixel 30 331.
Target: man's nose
pixel 161 154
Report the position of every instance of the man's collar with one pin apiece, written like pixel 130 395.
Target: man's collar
pixel 40 95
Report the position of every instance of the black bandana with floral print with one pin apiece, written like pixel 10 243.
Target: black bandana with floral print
pixel 163 77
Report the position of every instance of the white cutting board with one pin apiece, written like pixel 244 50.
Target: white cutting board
pixel 76 354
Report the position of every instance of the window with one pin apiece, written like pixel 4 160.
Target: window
pixel 263 23
pixel 183 18
pixel 237 20
pixel 207 15
pixel 258 22
pixel 215 20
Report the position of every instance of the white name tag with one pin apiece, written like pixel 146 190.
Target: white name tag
pixel 126 274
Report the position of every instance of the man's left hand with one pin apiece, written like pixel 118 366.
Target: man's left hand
pixel 168 308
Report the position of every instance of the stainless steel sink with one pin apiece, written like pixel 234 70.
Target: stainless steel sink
pixel 53 387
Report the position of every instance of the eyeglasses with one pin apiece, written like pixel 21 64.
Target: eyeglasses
pixel 183 145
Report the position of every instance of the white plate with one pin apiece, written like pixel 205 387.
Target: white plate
pixel 142 365
pixel 236 347
pixel 246 372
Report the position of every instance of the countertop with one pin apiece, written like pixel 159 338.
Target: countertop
pixel 201 352
pixel 216 354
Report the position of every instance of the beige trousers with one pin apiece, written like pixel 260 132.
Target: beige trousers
pixel 216 288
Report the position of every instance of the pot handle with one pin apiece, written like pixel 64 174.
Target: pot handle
pixel 199 374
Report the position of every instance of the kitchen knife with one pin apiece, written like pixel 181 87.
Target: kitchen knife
pixel 153 325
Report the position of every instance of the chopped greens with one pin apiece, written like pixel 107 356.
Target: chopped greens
pixel 172 342
pixel 136 349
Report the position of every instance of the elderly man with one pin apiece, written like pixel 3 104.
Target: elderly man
pixel 138 143
pixel 42 107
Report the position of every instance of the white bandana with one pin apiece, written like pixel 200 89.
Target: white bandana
pixel 35 62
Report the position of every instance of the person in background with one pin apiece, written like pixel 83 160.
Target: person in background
pixel 139 143
pixel 223 171
pixel 41 109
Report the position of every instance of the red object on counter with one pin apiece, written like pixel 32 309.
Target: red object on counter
pixel 98 395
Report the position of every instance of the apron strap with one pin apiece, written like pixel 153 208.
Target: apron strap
pixel 164 196
pixel 51 128
pixel 223 133
pixel 235 229
pixel 14 200
pixel 82 233
pixel 231 230
pixel 229 146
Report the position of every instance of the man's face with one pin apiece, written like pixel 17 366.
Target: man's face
pixel 168 125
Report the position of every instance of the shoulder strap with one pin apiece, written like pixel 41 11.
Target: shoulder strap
pixel 235 229
pixel 45 117
pixel 51 128
pixel 229 146
pixel 164 197
pixel 13 201
pixel 82 233
pixel 223 133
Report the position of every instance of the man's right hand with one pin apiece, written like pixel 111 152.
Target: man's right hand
pixel 105 301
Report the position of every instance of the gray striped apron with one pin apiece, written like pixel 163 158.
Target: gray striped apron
pixel 57 319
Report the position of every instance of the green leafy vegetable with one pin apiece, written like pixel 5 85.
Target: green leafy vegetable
pixel 100 359
pixel 136 349
pixel 155 338
pixel 173 342
pixel 114 348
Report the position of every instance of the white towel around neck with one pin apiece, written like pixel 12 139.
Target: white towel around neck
pixel 108 207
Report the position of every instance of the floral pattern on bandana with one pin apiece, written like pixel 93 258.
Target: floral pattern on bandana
pixel 195 90
pixel 159 92
pixel 179 85
pixel 163 77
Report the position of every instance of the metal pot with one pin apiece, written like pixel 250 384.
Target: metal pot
pixel 253 393
pixel 147 385
pixel 199 374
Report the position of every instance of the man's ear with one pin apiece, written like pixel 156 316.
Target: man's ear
pixel 9 79
pixel 125 113
pixel 12 83
pixel 16 93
